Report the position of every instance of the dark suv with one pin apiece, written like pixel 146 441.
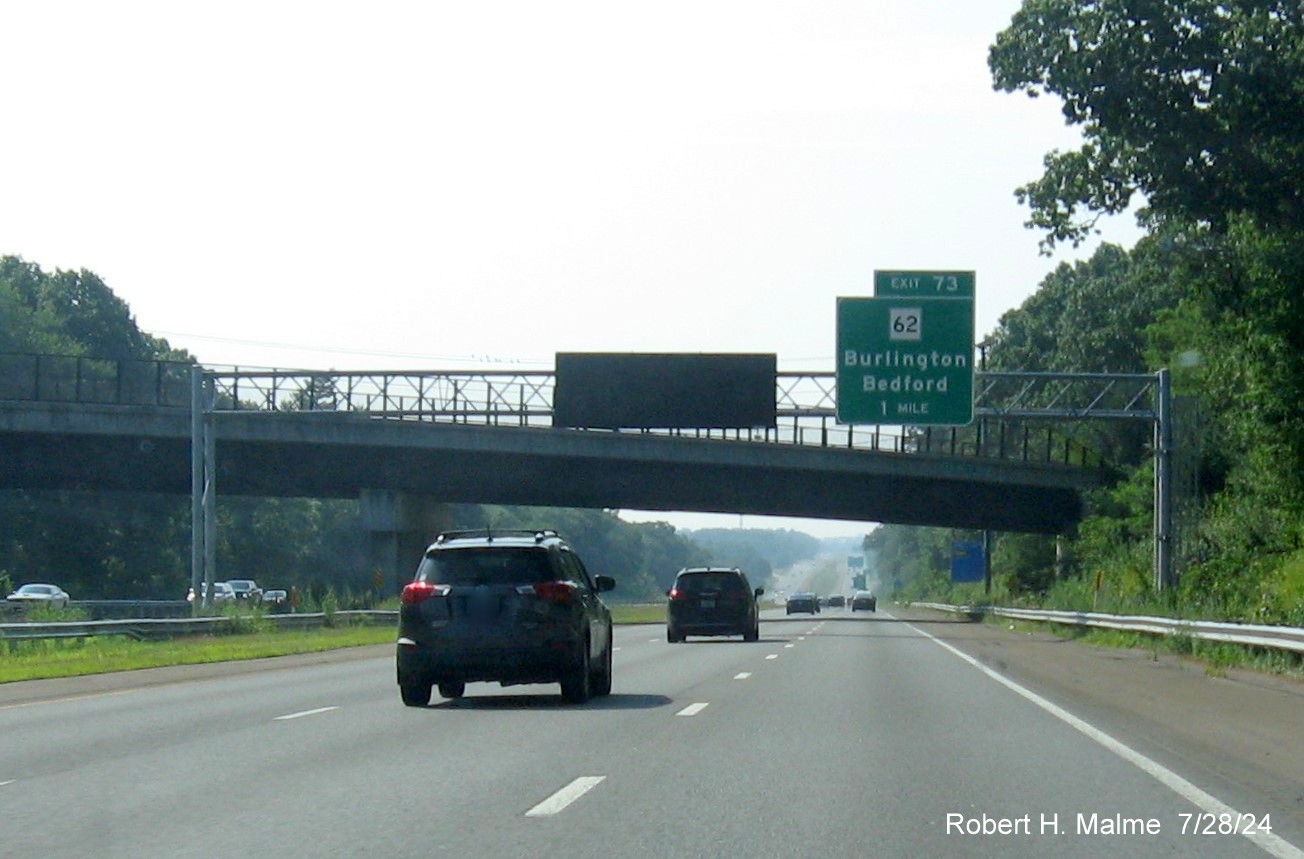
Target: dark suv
pixel 506 606
pixel 712 601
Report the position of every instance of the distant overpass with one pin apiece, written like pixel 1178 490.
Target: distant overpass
pixel 402 440
pixel 339 455
pixel 486 437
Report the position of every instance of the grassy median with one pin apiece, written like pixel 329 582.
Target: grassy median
pixel 35 660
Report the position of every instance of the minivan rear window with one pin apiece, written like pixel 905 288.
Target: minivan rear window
pixel 486 567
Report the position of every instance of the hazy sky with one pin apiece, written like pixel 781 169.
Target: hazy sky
pixel 443 185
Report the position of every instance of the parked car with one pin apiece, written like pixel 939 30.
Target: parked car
pixel 803 601
pixel 222 593
pixel 864 601
pixel 246 590
pixel 277 601
pixel 40 595
pixel 505 606
pixel 712 601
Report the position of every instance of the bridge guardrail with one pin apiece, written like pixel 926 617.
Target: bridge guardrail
pixel 147 628
pixel 85 379
pixel 805 402
pixel 1253 635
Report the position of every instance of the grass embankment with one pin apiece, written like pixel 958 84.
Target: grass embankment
pixel 35 660
pixel 1217 657
pixel 1078 595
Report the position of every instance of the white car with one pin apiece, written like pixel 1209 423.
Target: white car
pixel 222 593
pixel 246 590
pixel 38 594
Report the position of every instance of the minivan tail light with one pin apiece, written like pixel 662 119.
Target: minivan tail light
pixel 418 592
pixel 557 592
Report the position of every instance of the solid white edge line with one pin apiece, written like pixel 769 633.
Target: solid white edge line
pixel 692 709
pixel 289 716
pixel 1269 843
pixel 564 797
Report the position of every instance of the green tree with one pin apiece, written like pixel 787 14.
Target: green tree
pixel 25 324
pixel 1195 104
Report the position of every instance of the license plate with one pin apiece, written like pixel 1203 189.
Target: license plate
pixel 708 603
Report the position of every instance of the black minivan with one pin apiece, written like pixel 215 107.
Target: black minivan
pixel 712 601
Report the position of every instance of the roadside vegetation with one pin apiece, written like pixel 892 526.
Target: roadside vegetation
pixel 1192 114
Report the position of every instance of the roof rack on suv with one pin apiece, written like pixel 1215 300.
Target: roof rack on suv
pixel 538 535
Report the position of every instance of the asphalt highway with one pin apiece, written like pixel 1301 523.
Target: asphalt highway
pixel 835 735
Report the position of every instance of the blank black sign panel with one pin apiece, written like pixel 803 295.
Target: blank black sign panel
pixel 664 391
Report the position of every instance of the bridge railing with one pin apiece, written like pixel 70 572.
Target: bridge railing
pixel 805 408
pixel 82 379
pixel 1006 404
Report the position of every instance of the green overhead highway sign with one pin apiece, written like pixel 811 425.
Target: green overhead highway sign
pixel 905 361
pixel 924 284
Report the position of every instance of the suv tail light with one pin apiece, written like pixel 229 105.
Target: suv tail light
pixel 418 592
pixel 556 592
pixel 675 593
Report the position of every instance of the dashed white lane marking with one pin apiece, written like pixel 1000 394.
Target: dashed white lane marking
pixel 772 656
pixel 564 797
pixel 743 675
pixel 300 715
pixel 789 646
pixel 615 649
pixel 692 709
pixel 3 783
pixel 1269 843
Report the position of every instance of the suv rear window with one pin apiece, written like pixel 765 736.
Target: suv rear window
pixel 483 566
pixel 694 583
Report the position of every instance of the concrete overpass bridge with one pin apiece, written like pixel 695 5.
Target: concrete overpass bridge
pixel 403 440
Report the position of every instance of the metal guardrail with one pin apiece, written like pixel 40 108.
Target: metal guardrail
pixel 153 628
pixel 1253 635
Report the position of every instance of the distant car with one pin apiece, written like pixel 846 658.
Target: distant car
pixel 806 602
pixel 864 601
pixel 246 590
pixel 837 601
pixel 222 593
pixel 712 601
pixel 506 606
pixel 41 595
pixel 276 601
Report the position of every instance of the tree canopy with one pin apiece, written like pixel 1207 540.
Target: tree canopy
pixel 1196 104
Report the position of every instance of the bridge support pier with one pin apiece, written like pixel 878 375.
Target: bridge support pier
pixel 399 526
